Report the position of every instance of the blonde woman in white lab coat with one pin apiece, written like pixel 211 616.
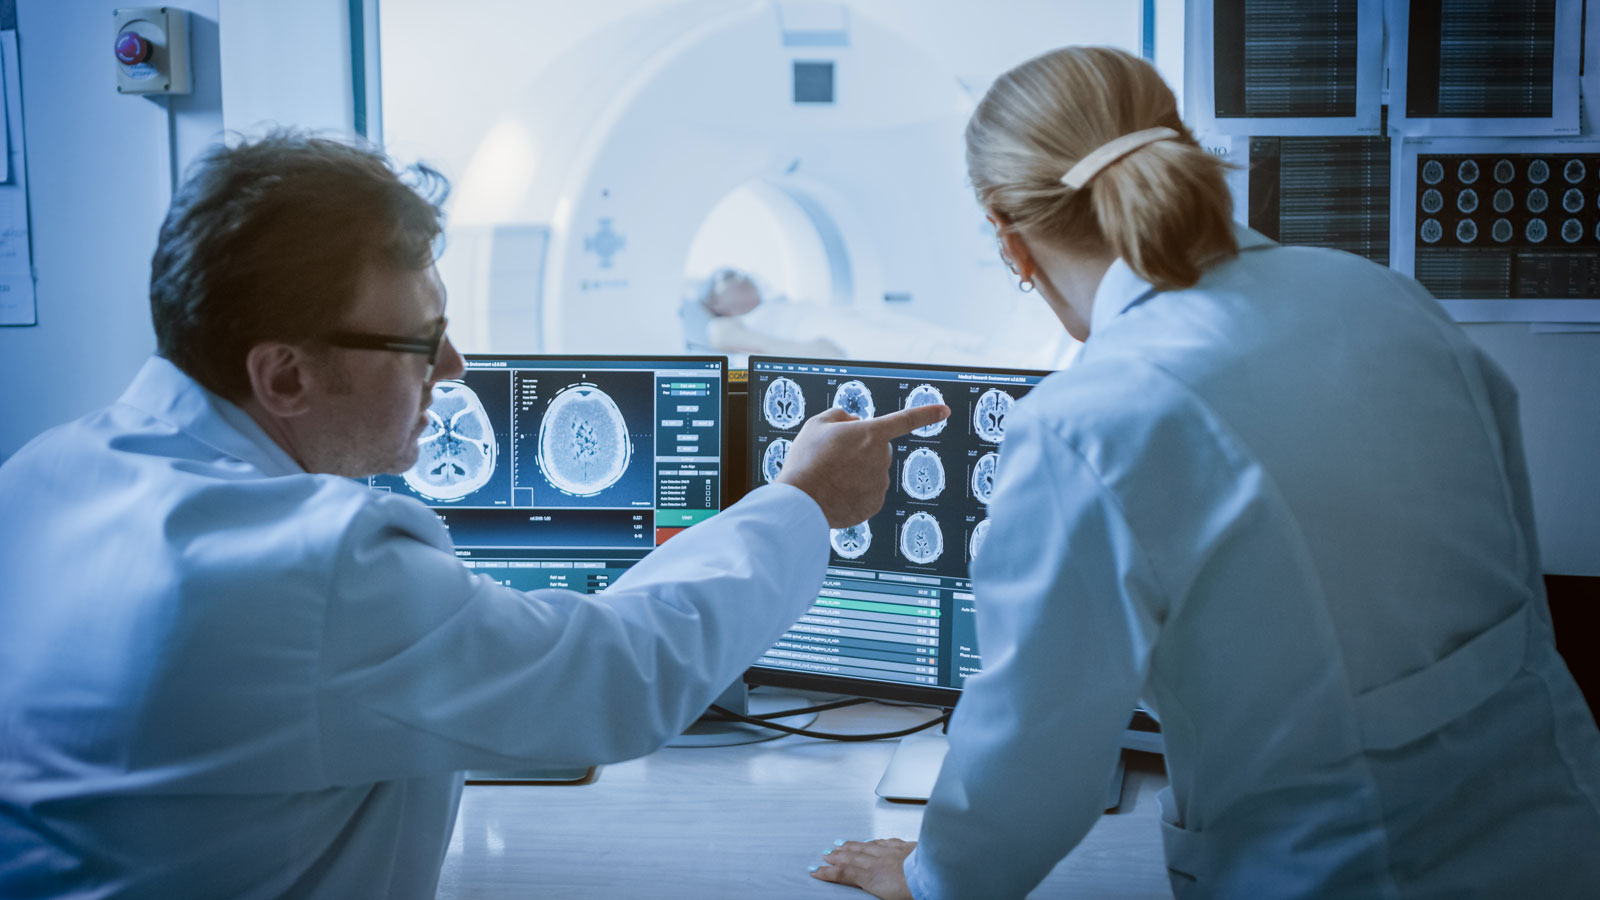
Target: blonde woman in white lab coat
pixel 1280 496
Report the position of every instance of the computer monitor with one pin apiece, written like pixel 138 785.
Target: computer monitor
pixel 564 471
pixel 895 619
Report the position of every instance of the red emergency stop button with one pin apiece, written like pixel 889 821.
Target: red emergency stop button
pixel 132 48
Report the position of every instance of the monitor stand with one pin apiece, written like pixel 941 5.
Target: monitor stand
pixel 915 764
pixel 710 730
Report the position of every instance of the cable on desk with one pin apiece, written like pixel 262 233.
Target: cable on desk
pixel 805 710
pixel 828 736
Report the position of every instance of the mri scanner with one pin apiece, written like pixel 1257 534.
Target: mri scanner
pixel 804 142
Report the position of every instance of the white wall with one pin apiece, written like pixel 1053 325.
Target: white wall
pixel 99 178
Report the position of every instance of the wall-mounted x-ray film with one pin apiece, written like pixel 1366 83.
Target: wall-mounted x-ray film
pixel 1284 67
pixel 897 604
pixel 556 455
pixel 1484 67
pixel 1314 191
pixel 1500 229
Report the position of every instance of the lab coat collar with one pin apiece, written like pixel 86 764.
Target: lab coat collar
pixel 1120 289
pixel 164 391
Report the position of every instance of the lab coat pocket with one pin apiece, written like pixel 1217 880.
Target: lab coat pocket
pixel 1185 849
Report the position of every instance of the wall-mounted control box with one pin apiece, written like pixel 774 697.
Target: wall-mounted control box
pixel 151 44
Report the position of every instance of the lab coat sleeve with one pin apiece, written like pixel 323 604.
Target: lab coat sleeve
pixel 1065 642
pixel 431 668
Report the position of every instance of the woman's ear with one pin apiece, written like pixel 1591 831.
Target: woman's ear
pixel 1012 247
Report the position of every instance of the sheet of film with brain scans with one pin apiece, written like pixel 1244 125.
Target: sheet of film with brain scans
pixel 1502 229
pixel 565 471
pixel 897 604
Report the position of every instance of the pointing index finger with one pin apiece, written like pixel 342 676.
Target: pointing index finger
pixel 892 425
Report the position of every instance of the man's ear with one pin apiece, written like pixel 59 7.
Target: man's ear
pixel 280 378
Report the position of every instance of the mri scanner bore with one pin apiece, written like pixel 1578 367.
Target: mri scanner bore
pixel 457 450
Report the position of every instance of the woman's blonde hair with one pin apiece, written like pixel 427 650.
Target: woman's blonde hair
pixel 1164 208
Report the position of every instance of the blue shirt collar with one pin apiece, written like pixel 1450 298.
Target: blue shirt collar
pixel 1120 289
pixel 164 391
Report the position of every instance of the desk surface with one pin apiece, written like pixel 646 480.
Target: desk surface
pixel 746 821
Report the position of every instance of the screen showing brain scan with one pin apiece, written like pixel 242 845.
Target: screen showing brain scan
pixel 456 452
pixel 926 395
pixel 989 415
pixel 922 474
pixel 854 398
pixel 584 445
pixel 783 404
pixel 851 542
pixel 983 476
pixel 772 460
pixel 545 454
pixel 975 543
pixel 898 609
pixel 921 539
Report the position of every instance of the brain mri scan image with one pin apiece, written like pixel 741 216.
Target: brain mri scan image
pixel 922 475
pixel 854 398
pixel 851 542
pixel 976 542
pixel 921 539
pixel 926 395
pixel 457 449
pixel 989 415
pixel 783 404
pixel 983 477
pixel 583 441
pixel 772 460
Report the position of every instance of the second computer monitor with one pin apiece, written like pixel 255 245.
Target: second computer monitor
pixel 895 619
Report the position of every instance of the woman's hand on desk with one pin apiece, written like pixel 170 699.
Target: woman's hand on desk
pixel 874 866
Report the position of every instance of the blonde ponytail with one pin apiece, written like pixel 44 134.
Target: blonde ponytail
pixel 1163 206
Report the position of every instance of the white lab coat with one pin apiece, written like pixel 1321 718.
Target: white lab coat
pixel 223 677
pixel 1289 507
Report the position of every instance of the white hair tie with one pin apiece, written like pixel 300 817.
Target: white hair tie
pixel 1110 152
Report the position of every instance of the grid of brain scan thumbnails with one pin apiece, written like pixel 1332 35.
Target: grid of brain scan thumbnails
pixel 935 516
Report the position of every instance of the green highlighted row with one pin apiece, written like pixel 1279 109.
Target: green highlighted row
pixel 682 518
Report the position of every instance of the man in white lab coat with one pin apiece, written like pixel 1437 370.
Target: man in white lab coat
pixel 226 671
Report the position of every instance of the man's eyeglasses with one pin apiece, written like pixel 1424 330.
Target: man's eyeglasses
pixel 428 346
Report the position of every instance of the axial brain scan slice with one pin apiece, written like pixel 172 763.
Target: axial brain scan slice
pixel 926 395
pixel 772 460
pixel 457 449
pixel 851 542
pixel 583 441
pixel 854 398
pixel 976 542
pixel 783 404
pixel 922 476
pixel 983 477
pixel 921 539
pixel 989 415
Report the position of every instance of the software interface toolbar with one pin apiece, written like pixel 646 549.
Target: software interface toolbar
pixel 563 472
pixel 897 603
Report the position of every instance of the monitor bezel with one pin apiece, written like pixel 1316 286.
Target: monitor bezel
pixel 839 684
pixel 722 395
